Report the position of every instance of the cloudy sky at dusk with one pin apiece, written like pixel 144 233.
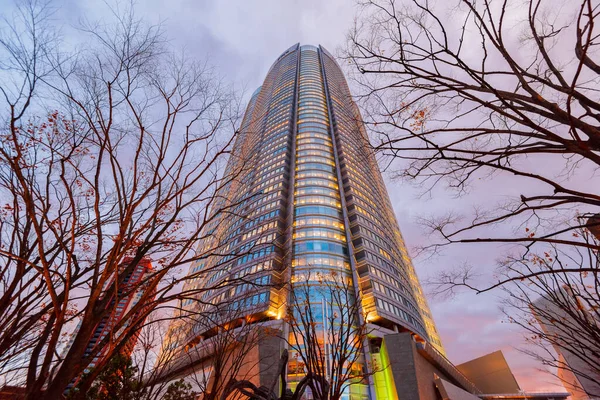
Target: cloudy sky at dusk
pixel 242 39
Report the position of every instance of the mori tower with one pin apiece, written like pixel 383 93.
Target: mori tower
pixel 307 200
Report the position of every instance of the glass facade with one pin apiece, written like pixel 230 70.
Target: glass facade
pixel 320 249
pixel 308 198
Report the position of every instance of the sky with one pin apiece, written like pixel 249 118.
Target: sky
pixel 242 39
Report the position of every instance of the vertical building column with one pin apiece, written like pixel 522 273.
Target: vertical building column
pixel 355 276
pixel 289 218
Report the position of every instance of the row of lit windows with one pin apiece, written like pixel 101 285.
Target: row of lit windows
pixel 313 128
pixel 311 92
pixel 313 125
pixel 319 233
pixel 262 281
pixel 373 247
pixel 310 102
pixel 321 153
pixel 273 187
pixel 317 166
pixel 251 301
pixel 259 230
pixel 283 90
pixel 320 130
pixel 375 259
pixel 233 232
pixel 317 182
pixel 313 113
pixel 219 298
pixel 319 246
pixel 310 78
pixel 369 209
pixel 309 119
pixel 284 122
pixel 323 142
pixel 315 174
pixel 217 275
pixel 264 208
pixel 274 148
pixel 273 133
pixel 395 295
pixel 260 219
pixel 278 118
pixel 317 200
pixel 314 146
pixel 268 168
pixel 319 221
pixel 235 306
pixel 314 106
pixel 261 266
pixel 320 260
pixel 393 309
pixel 246 247
pixel 387 278
pixel 317 190
pixel 312 132
pixel 378 239
pixel 316 159
pixel 263 199
pixel 370 225
pixel 257 254
pixel 273 145
pixel 264 186
pixel 271 159
pixel 318 210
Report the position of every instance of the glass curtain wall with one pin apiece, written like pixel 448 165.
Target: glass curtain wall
pixel 306 203
pixel 320 250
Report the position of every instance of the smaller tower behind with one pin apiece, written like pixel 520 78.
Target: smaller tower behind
pixel 121 302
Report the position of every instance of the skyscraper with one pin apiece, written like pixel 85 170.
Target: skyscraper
pixel 310 198
pixel 122 300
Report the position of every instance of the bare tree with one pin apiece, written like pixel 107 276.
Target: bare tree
pixel 556 309
pixel 211 365
pixel 226 348
pixel 123 378
pixel 224 352
pixel 327 333
pixel 471 90
pixel 151 359
pixel 109 156
pixel 561 310
pixel 465 91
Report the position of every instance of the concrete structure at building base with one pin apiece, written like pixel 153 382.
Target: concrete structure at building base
pixel 409 370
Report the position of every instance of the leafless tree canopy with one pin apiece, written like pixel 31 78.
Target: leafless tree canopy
pixel 469 90
pixel 328 333
pixel 479 89
pixel 212 366
pixel 110 154
pixel 559 313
